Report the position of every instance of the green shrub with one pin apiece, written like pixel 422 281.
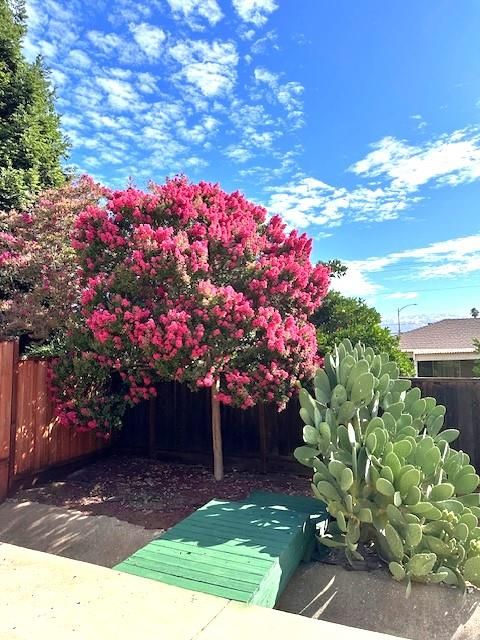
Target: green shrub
pixel 384 468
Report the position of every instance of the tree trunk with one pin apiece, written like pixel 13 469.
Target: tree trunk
pixel 263 437
pixel 217 435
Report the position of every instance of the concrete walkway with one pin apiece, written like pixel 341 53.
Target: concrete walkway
pixel 97 539
pixel 48 597
pixel 376 602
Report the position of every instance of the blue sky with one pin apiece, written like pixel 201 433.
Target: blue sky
pixel 358 122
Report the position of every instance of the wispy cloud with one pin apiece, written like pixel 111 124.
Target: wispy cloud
pixel 79 58
pixel 237 153
pixel 210 67
pixel 452 159
pixel 402 172
pixel 120 94
pixel 308 201
pixel 149 38
pixel 402 295
pixel 439 259
pixel 421 123
pixel 192 9
pixel 287 94
pixel 447 258
pixel 255 11
pixel 305 202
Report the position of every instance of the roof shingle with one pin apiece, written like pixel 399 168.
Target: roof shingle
pixel 454 334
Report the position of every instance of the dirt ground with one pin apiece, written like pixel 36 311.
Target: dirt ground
pixel 152 493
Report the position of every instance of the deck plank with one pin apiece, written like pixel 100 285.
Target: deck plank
pixel 245 550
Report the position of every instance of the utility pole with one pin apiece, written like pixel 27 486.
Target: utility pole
pixel 413 304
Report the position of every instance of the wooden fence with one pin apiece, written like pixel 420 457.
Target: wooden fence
pixel 31 442
pixel 176 425
pixel 461 396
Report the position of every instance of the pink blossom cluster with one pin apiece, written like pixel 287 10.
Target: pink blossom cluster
pixel 193 284
pixel 38 269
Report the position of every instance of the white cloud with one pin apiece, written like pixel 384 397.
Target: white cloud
pixel 439 259
pixel 402 295
pixel 46 34
pixel 120 94
pixel 305 202
pixel 209 67
pixel 199 132
pixel 450 159
pixel 255 11
pixel 71 120
pixel 208 9
pixel 106 42
pixel 196 163
pixel 59 78
pixel 264 75
pixel 149 38
pixel 238 153
pixel 355 283
pixel 79 58
pixel 436 260
pixel 308 201
pixel 147 82
pixel 287 94
pixel 421 123
pixel 400 171
pixel 267 42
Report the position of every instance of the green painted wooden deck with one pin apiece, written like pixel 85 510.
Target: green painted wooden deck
pixel 245 551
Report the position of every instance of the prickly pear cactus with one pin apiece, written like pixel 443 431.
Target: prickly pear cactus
pixel 383 465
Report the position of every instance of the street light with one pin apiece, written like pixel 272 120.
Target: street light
pixel 413 304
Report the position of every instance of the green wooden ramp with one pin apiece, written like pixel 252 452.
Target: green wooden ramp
pixel 245 551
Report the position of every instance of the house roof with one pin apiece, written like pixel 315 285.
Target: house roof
pixel 445 336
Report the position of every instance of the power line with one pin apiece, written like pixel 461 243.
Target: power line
pixel 473 286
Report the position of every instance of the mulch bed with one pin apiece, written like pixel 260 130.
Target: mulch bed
pixel 152 493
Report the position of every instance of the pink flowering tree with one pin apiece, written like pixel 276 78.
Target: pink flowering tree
pixel 192 284
pixel 39 285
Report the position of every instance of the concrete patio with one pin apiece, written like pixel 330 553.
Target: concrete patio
pixel 50 597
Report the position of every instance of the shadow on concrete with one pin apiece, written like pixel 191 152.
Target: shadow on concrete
pixel 97 539
pixel 373 601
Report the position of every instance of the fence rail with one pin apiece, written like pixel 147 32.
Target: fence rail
pixel 176 425
pixel 31 441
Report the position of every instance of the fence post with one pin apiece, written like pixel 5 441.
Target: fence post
pixel 8 370
pixel 13 415
pixel 152 423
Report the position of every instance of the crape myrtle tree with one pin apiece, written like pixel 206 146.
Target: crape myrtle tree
pixel 39 283
pixel 192 284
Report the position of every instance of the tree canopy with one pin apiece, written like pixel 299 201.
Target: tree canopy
pixel 192 284
pixel 342 317
pixel 39 284
pixel 31 143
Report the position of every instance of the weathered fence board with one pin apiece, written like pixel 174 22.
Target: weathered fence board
pixel 182 430
pixel 461 396
pixel 8 360
pixel 31 441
